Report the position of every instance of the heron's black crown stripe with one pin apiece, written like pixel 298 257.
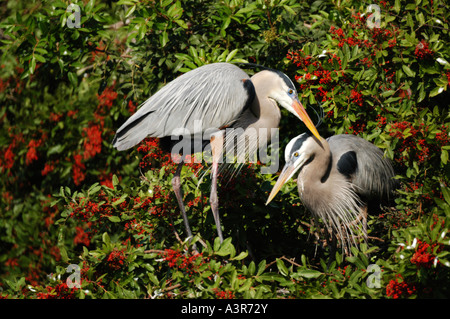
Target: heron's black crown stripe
pixel 299 142
pixel 285 78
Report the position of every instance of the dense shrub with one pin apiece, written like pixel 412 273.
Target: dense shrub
pixel 69 198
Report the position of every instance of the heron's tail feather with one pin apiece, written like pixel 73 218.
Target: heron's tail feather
pixel 133 131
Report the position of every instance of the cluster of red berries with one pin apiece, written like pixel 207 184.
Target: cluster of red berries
pixel 356 97
pixel 116 259
pixel 397 288
pixel 422 51
pixel 423 257
pixel 106 100
pixel 152 153
pixel 60 291
pixel 78 169
pixel 414 144
pixel 223 294
pixel 182 261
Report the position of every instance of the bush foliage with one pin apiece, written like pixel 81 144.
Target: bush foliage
pixel 71 75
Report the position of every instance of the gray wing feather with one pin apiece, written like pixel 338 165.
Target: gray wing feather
pixel 373 176
pixel 213 94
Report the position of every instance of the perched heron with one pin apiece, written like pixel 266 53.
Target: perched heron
pixel 339 178
pixel 204 103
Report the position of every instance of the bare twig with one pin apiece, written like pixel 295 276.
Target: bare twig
pixel 171 287
pixel 270 264
pixel 290 261
pixel 152 251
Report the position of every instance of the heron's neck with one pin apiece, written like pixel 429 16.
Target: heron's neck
pixel 328 194
pixel 313 178
pixel 266 111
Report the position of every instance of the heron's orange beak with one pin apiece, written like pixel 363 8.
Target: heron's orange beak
pixel 300 110
pixel 285 175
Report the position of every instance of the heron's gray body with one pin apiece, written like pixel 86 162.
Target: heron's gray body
pixel 203 104
pixel 175 108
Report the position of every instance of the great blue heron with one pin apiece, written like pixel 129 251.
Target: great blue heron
pixel 201 104
pixel 337 180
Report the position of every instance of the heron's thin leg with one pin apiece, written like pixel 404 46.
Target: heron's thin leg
pixel 176 184
pixel 333 248
pixel 216 149
pixel 364 220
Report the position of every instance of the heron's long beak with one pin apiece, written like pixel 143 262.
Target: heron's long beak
pixel 288 170
pixel 300 110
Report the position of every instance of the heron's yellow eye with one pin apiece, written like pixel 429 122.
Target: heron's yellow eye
pixel 291 91
pixel 296 154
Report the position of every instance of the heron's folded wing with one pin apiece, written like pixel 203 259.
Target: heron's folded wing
pixel 204 99
pixel 364 164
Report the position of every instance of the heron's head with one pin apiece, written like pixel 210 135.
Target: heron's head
pixel 279 87
pixel 298 153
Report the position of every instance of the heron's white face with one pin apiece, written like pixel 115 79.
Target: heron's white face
pixel 296 154
pixel 287 97
pixel 297 157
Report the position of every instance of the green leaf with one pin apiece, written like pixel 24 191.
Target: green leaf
pixel 387 93
pixel 226 248
pixel 446 193
pixel 73 79
pixel 444 156
pixel 130 11
pixel 216 244
pixel 114 219
pixel 308 273
pixel 226 23
pixel 164 38
pixel 32 65
pixel 153 278
pixel 422 93
pixel 181 23
pixel 105 238
pixel 436 91
pixel 271 277
pixel 57 149
pixel 38 57
pixel 241 256
pixel 397 6
pixel 115 181
pixel 420 18
pixel 289 9
pixel 408 71
pixel 94 189
pixel 120 200
pixel 231 55
pixel 251 268
pixel 63 253
pixel 206 274
pixel 261 267
pixel 194 55
pixel 282 267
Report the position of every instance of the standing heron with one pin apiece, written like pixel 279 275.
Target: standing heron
pixel 219 97
pixel 338 180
